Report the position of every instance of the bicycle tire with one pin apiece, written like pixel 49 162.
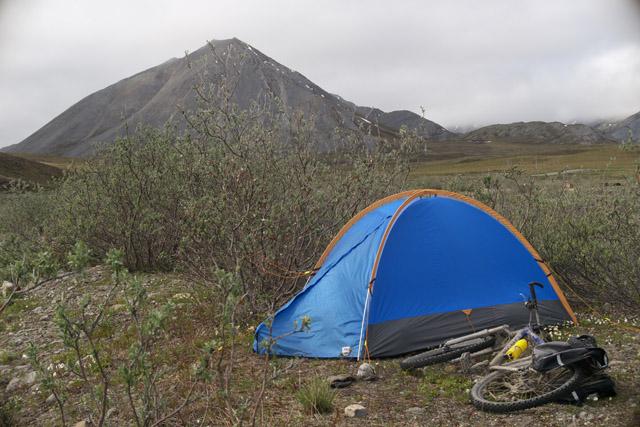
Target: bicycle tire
pixel 479 401
pixel 444 354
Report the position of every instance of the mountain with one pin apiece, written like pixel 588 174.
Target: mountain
pixel 18 168
pixel 624 130
pixel 154 95
pixel 539 132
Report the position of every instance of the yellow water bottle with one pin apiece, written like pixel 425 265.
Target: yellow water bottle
pixel 517 349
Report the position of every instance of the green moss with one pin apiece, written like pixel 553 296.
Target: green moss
pixel 7 357
pixel 437 383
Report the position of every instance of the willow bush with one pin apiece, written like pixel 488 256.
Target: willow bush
pixel 231 194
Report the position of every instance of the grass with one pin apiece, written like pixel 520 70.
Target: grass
pixel 14 311
pixel 465 158
pixel 14 167
pixel 438 383
pixel 55 161
pixel 316 396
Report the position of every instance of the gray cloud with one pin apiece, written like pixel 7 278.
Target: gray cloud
pixel 467 62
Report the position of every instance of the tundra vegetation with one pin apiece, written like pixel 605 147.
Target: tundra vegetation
pixel 159 255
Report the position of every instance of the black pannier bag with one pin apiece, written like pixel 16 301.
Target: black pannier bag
pixel 583 352
pixel 599 384
pixel 580 350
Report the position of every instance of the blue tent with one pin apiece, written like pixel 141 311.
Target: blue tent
pixel 410 271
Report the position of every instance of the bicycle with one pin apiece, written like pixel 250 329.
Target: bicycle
pixel 486 341
pixel 557 371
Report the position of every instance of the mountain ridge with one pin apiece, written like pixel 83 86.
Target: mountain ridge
pixel 156 95
pixel 539 132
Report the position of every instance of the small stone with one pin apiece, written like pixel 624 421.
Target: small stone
pixel 51 399
pixel 29 378
pixel 118 307
pixel 607 307
pixel 355 411
pixel 7 288
pixel 82 423
pixel 111 412
pixel 13 385
pixel 583 414
pixel 416 411
pixel 366 372
pixel 25 380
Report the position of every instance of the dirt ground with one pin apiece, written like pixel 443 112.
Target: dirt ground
pixel 438 395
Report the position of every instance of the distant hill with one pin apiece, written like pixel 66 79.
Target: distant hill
pixel 152 96
pixel 623 130
pixel 540 132
pixel 14 167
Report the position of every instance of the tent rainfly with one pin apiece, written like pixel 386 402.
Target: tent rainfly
pixel 410 271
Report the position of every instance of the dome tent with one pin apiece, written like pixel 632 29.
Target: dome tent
pixel 409 272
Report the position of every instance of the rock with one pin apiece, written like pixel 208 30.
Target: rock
pixel 29 378
pixel 355 411
pixel 51 399
pixel 83 423
pixel 111 412
pixel 366 372
pixel 118 307
pixel 25 380
pixel 7 288
pixel 340 381
pixel 13 385
pixel 415 411
pixel 607 307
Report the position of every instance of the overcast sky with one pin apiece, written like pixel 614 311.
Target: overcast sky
pixel 467 62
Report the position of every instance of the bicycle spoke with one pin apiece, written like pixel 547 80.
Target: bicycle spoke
pixel 524 384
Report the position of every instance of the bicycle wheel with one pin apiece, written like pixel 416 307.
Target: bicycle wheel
pixel 506 391
pixel 446 353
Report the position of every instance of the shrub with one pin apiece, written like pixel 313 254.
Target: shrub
pixel 247 190
pixel 98 367
pixel 128 196
pixel 316 396
pixel 9 408
pixel 24 212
